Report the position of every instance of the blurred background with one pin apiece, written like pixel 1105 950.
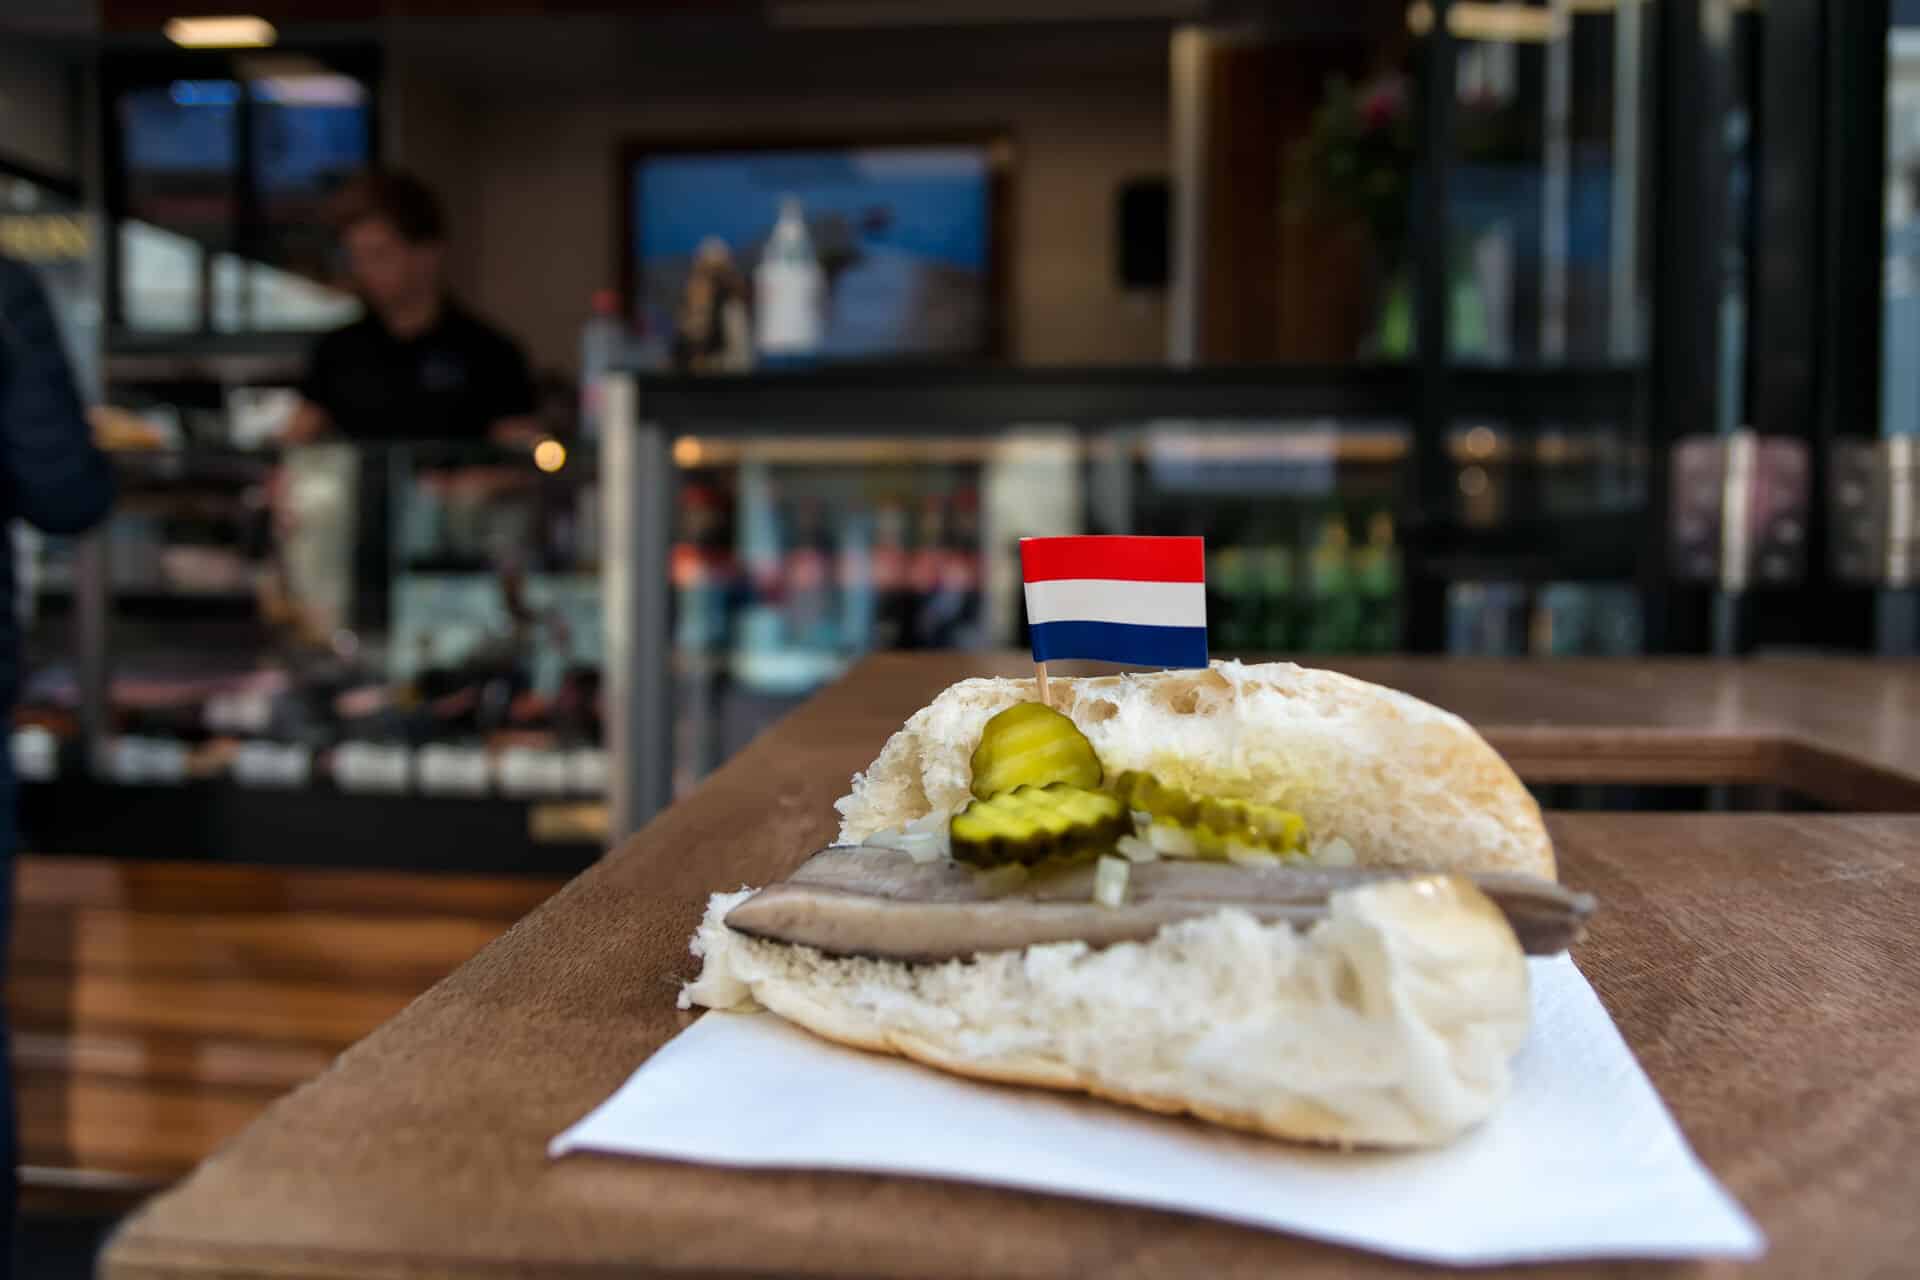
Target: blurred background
pixel 756 335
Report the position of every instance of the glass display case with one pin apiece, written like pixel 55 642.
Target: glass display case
pixel 338 655
pixel 771 529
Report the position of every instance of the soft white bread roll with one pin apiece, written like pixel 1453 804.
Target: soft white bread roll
pixel 1391 1023
pixel 1404 783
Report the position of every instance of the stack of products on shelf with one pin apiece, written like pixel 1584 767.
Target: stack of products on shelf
pixel 459 517
pixel 477 729
pixel 785 590
pixel 1299 580
pixel 1563 619
pixel 482 679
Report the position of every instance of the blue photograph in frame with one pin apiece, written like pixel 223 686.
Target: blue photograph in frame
pixel 907 235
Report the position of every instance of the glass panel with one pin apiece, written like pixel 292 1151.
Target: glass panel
pixel 1586 618
pixel 1544 197
pixel 461 731
pixel 229 288
pixel 1737 254
pixel 160 278
pixel 1559 619
pixel 254 297
pixel 1487 619
pixel 1298 517
pixel 178 160
pixel 1900 278
pixel 1551 473
pixel 310 133
pixel 1550 516
pixel 179 151
pixel 242 623
pixel 793 556
pixel 180 156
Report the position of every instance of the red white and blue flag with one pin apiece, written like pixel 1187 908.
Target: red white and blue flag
pixel 1117 599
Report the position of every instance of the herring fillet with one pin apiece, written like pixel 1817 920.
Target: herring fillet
pixel 856 900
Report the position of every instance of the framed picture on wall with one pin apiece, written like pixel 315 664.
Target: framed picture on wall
pixel 907 240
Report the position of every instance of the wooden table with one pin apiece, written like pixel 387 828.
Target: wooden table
pixel 1765 968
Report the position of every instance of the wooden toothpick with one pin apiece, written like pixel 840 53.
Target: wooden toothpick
pixel 1040 678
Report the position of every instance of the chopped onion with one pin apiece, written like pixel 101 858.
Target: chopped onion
pixel 1110 881
pixel 924 839
pixel 1134 849
pixel 1171 842
pixel 1334 853
pixel 1247 855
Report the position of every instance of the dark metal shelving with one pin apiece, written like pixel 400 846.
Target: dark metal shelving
pixel 908 400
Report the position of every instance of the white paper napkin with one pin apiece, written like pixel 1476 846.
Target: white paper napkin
pixel 1583 1161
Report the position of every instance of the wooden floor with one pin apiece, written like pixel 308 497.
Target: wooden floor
pixel 158 1007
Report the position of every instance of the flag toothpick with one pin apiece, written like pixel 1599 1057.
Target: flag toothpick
pixel 1141 601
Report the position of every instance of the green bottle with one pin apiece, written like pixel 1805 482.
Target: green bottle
pixel 1332 624
pixel 1377 575
pixel 1277 632
pixel 1231 569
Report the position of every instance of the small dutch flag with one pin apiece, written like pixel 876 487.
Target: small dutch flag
pixel 1117 599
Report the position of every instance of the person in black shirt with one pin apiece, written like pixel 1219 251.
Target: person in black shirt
pixel 418 366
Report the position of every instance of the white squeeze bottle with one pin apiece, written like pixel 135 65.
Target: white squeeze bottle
pixel 790 290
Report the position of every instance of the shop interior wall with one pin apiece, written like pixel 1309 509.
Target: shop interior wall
pixel 520 126
pixel 38 125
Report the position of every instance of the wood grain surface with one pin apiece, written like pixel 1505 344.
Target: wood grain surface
pixel 158 1008
pixel 1762 967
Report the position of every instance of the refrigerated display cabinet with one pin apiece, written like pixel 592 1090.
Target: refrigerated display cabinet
pixel 767 530
pixel 340 655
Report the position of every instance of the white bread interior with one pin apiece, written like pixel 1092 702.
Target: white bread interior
pixel 1392 1023
pixel 1403 782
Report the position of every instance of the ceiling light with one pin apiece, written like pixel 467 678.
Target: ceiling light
pixel 1494 22
pixel 233 32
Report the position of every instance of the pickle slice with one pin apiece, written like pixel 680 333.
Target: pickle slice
pixel 1032 824
pixel 1143 793
pixel 1216 824
pixel 1031 744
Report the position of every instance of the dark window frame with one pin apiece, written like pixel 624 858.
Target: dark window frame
pixel 122 73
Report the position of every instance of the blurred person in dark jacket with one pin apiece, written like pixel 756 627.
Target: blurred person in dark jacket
pixel 53 477
pixel 419 364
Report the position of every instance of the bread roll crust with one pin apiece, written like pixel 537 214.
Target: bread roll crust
pixel 1405 783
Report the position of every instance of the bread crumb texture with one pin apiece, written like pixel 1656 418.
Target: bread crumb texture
pixel 1391 1023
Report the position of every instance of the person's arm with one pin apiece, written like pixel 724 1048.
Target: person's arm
pixel 311 420
pixel 521 429
pixel 58 479
pixel 308 423
pixel 515 420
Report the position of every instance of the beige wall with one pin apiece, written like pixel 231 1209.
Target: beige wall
pixel 530 171
pixel 427 126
